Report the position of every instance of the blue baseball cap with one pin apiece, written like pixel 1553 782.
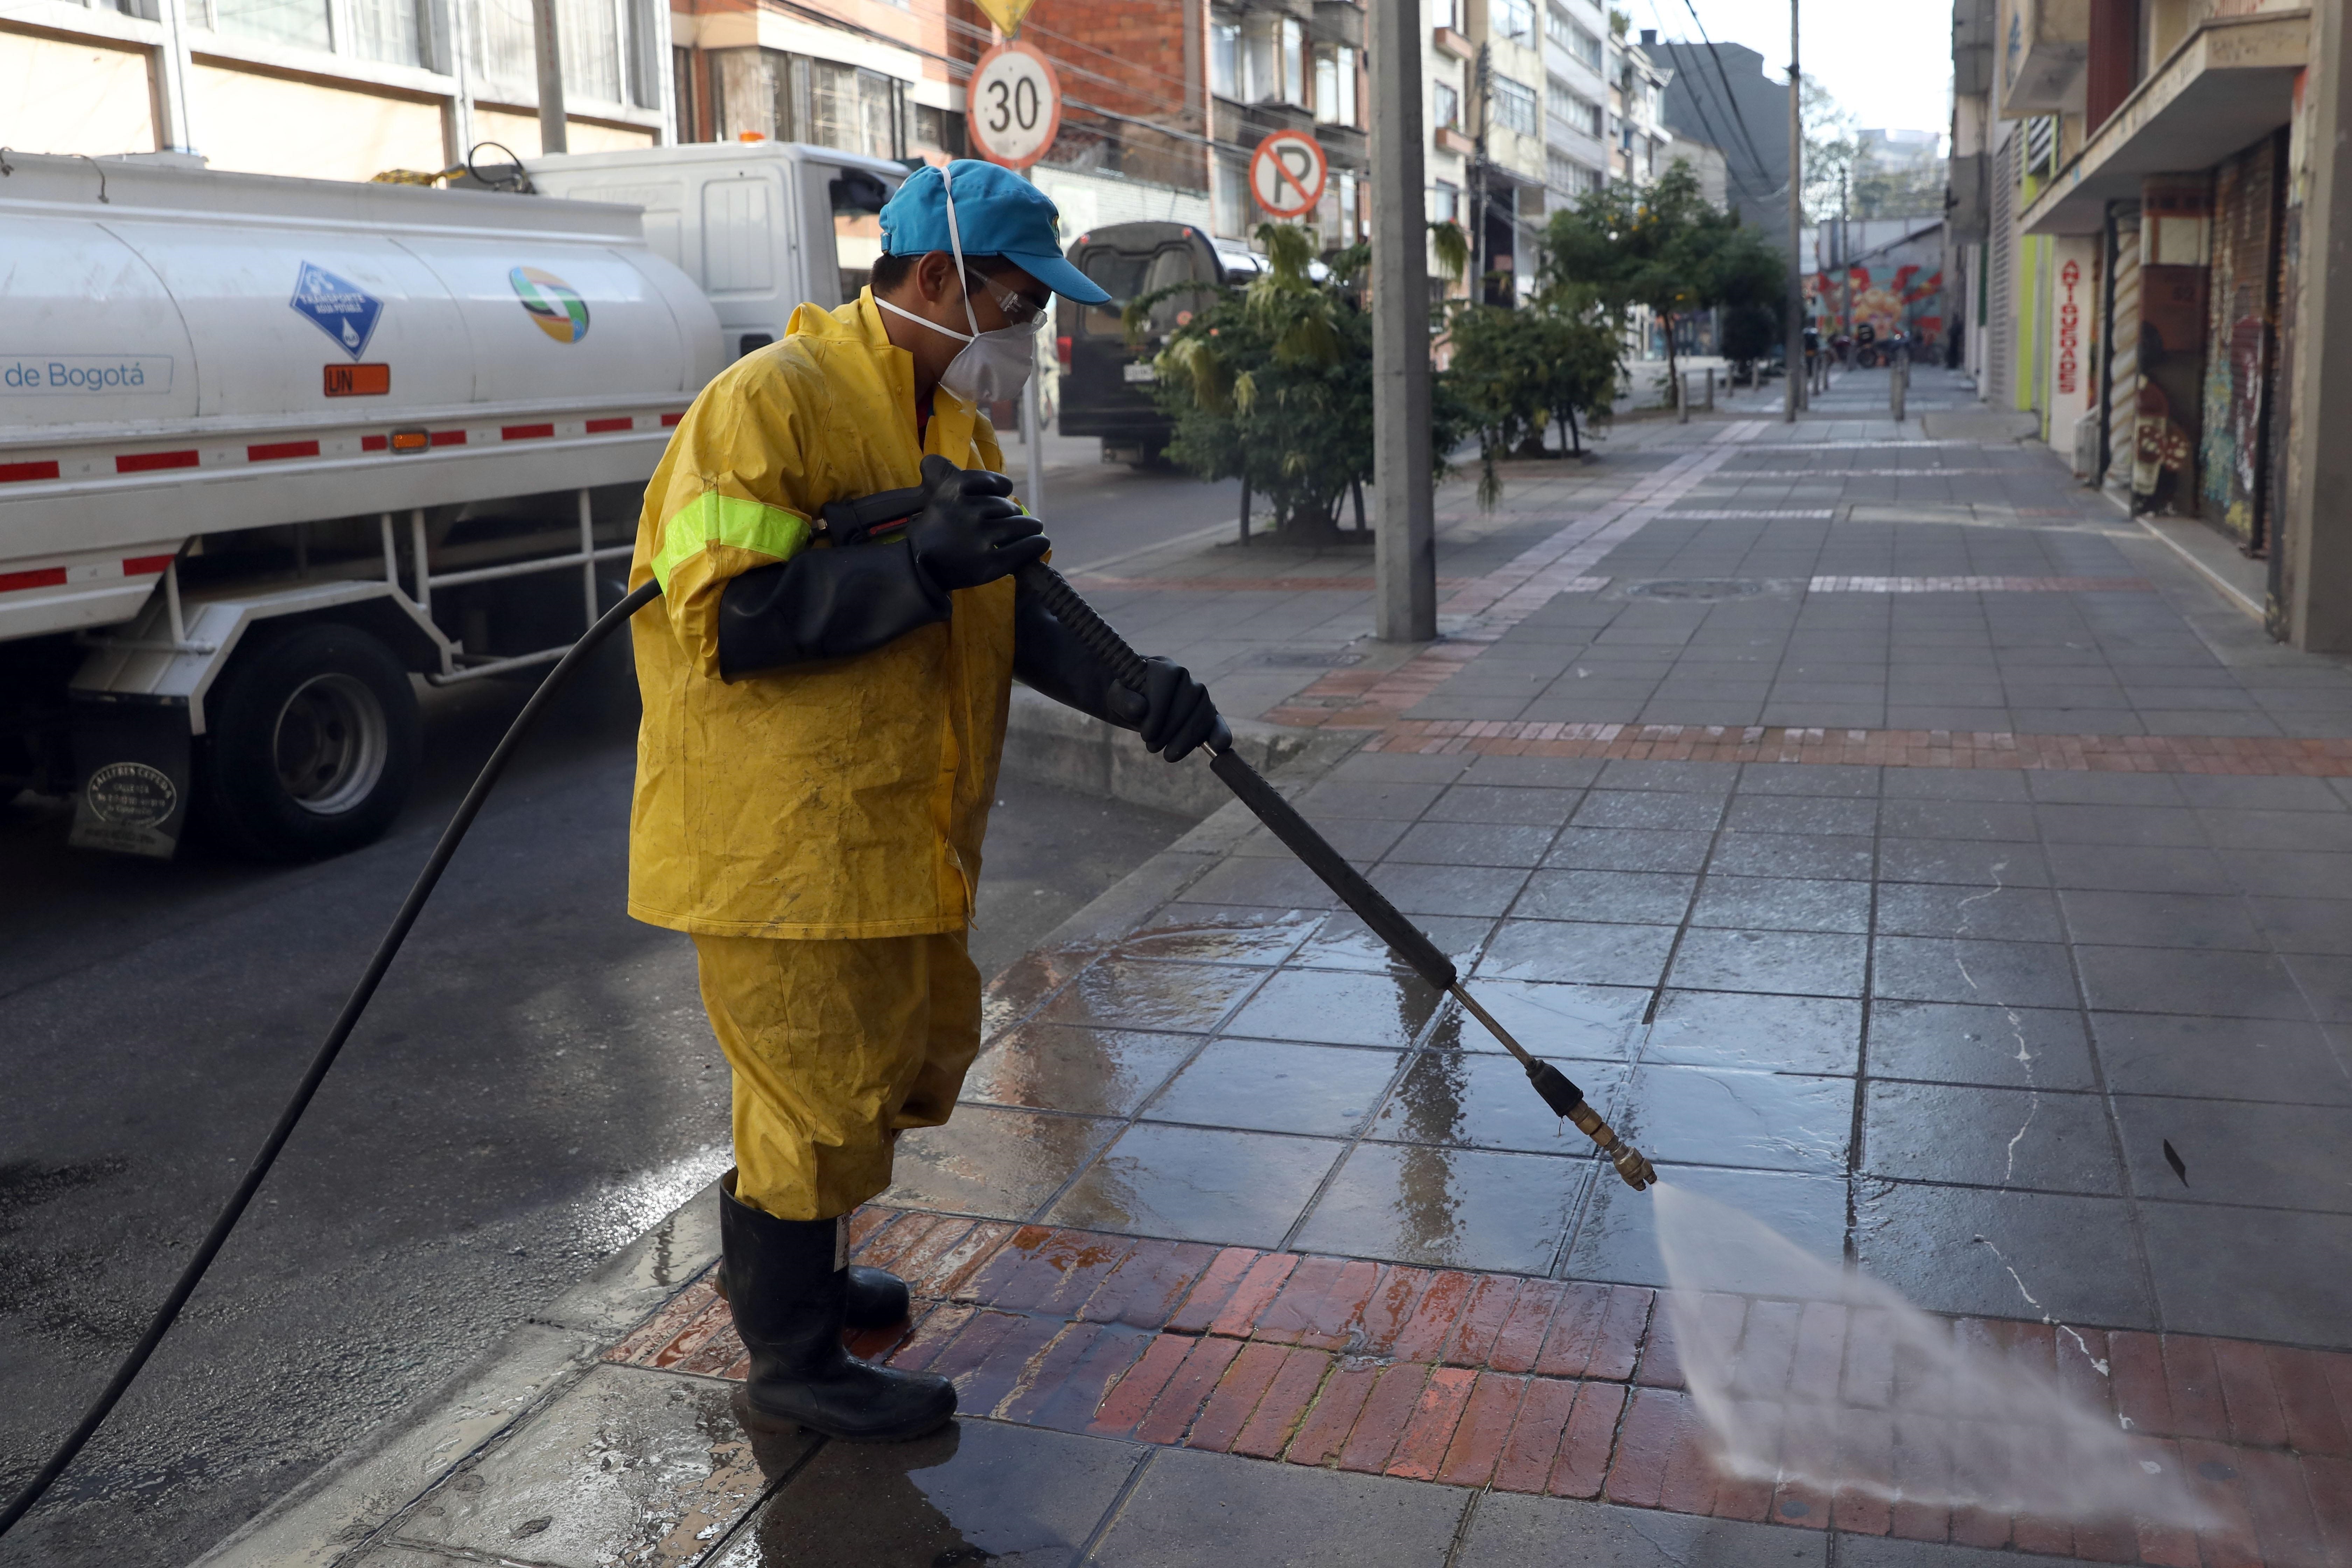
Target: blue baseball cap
pixel 997 213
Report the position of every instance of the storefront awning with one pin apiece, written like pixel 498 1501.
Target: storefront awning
pixel 2231 83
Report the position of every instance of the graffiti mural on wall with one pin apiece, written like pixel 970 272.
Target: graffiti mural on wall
pixel 2240 345
pixel 1887 296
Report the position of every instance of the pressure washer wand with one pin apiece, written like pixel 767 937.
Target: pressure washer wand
pixel 1405 939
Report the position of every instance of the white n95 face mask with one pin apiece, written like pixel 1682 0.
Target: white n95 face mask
pixel 993 366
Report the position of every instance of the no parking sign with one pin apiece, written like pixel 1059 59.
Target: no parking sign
pixel 1287 171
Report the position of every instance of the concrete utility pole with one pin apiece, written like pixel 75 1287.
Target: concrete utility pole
pixel 546 44
pixel 1793 393
pixel 1405 539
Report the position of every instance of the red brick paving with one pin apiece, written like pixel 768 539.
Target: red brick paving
pixel 1564 1387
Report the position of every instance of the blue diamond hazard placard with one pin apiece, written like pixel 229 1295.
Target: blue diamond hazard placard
pixel 337 307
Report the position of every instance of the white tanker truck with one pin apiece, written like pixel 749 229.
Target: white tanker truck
pixel 272 450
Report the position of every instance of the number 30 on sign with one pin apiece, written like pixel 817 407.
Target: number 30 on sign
pixel 1012 105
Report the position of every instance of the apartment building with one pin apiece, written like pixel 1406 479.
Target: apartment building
pixel 1639 139
pixel 2128 185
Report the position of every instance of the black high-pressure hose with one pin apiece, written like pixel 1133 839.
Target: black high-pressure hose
pixel 355 1005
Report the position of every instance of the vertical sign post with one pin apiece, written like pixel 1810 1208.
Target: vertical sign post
pixel 1013 112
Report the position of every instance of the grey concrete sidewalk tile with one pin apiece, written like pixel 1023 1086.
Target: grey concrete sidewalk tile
pixel 2292 830
pixel 2003 974
pixel 1631 897
pixel 1502 804
pixel 1788 963
pixel 1277 1516
pixel 993 1161
pixel 2148 827
pixel 2266 1156
pixel 1705 778
pixel 1805 855
pixel 1579 951
pixel 1512 1530
pixel 2250 1273
pixel 1339 1007
pixel 1272 882
pixel 2276 873
pixel 1401 767
pixel 1782 903
pixel 1885 1552
pixel 1656 809
pixel 2125 869
pixel 2059 785
pixel 1800 714
pixel 1450 889
pixel 1617 1239
pixel 1475 1102
pixel 978 1491
pixel 1472 844
pixel 1951 1249
pixel 2160 920
pixel 1344 942
pixel 1220 933
pixel 2222 1058
pixel 2326 980
pixel 1772 1034
pixel 1628 849
pixel 1089 1072
pixel 2037 1138
pixel 2202 982
pixel 1991 820
pixel 1763 812
pixel 1274 1086
pixel 1952 783
pixel 1943 1042
pixel 1195 1184
pixel 1544 773
pixel 628 1464
pixel 1450 1207
pixel 1936 908
pixel 1393 799
pixel 1135 995
pixel 1692 1115
pixel 1800 778
pixel 2304 925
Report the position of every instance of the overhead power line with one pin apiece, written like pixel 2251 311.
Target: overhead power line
pixel 1724 77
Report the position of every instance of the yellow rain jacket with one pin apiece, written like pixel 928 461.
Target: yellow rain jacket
pixel 840 799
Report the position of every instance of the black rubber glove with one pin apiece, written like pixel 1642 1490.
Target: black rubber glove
pixel 1173 712
pixel 825 603
pixel 969 532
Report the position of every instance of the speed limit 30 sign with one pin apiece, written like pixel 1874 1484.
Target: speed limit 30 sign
pixel 1287 173
pixel 1012 104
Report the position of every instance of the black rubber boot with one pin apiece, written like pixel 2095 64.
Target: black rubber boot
pixel 875 1300
pixel 788 1294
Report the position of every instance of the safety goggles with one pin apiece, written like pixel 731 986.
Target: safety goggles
pixel 1020 309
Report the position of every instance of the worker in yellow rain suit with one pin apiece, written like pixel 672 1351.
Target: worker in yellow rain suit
pixel 822 720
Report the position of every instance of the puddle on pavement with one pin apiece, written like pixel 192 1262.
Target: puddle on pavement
pixel 1274 1086
pixel 1340 1007
pixel 1260 937
pixel 976 1492
pixel 1062 1067
pixel 1138 995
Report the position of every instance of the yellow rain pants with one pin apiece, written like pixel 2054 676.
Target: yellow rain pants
pixel 837 1047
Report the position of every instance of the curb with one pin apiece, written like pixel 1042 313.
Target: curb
pixel 350 1502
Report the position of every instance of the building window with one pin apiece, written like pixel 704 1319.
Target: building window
pixel 939 128
pixel 1515 107
pixel 1446 14
pixel 1446 107
pixel 300 23
pixel 1565 174
pixel 592 49
pixel 1513 20
pixel 1294 62
pixel 1444 201
pixel 1334 86
pixel 1230 208
pixel 1571 108
pixel 846 108
pixel 387 30
pixel 1225 58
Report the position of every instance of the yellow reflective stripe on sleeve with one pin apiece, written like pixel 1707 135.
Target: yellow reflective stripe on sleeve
pixel 714 519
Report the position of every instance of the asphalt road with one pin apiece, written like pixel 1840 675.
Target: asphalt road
pixel 534 1085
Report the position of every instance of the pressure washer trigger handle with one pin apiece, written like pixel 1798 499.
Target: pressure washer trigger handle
pixel 1558 1090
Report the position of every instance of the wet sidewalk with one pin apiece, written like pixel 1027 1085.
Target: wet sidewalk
pixel 1896 841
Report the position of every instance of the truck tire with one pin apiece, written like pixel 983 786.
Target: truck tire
pixel 313 744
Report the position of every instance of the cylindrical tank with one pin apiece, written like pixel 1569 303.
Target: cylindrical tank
pixel 183 350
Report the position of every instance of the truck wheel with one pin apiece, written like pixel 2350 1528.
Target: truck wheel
pixel 312 746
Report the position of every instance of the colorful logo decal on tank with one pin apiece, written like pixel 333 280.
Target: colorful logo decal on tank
pixel 337 307
pixel 554 304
